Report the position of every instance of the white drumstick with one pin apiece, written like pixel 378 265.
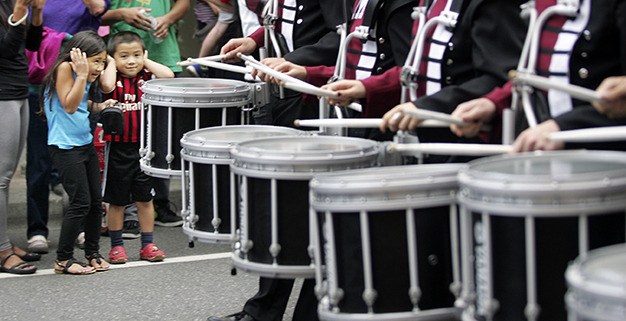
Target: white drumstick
pixel 357 123
pixel 428 114
pixel 295 83
pixel 220 65
pixel 577 92
pixel 450 149
pixel 590 135
pixel 188 62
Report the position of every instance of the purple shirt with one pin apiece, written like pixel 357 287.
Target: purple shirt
pixel 70 16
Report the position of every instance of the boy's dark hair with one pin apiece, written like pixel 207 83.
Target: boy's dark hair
pixel 88 42
pixel 123 37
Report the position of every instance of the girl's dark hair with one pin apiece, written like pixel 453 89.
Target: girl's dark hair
pixel 124 37
pixel 88 42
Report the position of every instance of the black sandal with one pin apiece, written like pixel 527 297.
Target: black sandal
pixel 99 259
pixel 28 256
pixel 18 268
pixel 64 269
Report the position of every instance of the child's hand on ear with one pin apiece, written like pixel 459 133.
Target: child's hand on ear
pixel 79 63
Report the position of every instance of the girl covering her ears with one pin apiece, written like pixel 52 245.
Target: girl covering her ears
pixel 68 94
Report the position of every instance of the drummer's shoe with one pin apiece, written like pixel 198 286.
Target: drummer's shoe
pixel 165 216
pixel 239 316
pixel 151 253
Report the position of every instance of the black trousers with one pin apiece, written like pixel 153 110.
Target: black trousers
pixel 269 303
pixel 80 176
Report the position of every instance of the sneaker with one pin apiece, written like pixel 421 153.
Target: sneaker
pixel 38 244
pixel 151 253
pixel 166 217
pixel 131 230
pixel 80 240
pixel 117 255
pixel 198 70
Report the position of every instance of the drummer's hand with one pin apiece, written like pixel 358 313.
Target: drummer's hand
pixel 244 45
pixel 270 62
pixel 395 120
pixel 291 69
pixel 613 93
pixel 348 90
pixel 476 112
pixel 536 138
pixel 105 104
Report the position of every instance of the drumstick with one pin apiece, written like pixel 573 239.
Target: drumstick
pixel 590 135
pixel 208 58
pixel 427 114
pixel 357 123
pixel 220 65
pixel 577 92
pixel 294 83
pixel 450 149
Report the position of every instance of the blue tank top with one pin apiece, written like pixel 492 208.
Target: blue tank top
pixel 67 131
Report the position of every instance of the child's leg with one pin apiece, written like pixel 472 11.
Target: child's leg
pixel 93 220
pixel 149 251
pixel 145 213
pixel 71 166
pixel 115 222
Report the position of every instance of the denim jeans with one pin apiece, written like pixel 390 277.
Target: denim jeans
pixel 80 176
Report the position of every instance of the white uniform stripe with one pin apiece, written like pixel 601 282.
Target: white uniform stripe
pixel 288 20
pixel 561 102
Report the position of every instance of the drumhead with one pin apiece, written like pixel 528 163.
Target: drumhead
pixel 385 188
pixel 546 183
pixel 597 284
pixel 300 157
pixel 216 142
pixel 196 92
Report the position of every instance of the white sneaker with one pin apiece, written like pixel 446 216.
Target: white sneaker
pixel 38 244
pixel 80 240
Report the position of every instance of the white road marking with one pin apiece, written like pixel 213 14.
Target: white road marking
pixel 180 259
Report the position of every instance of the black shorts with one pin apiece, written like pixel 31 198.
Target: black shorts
pixel 125 182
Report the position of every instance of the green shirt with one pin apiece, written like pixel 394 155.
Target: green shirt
pixel 166 52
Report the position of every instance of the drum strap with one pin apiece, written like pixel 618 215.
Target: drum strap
pixel 371 14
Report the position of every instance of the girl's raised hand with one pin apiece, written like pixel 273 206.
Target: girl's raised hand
pixel 79 63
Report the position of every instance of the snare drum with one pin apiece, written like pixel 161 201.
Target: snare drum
pixel 390 243
pixel 208 186
pixel 274 191
pixel 597 285
pixel 179 105
pixel 524 217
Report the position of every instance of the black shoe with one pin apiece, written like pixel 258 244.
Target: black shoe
pixel 239 316
pixel 131 230
pixel 166 217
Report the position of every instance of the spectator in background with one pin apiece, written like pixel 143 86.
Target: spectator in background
pixel 15 35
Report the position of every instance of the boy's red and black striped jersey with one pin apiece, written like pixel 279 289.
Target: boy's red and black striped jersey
pixel 128 94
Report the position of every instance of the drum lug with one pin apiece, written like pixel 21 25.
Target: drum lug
pixel 275 249
pixel 415 294
pixel 142 152
pixel 335 296
pixel 369 296
pixel 532 311
pixel 216 223
pixel 169 158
